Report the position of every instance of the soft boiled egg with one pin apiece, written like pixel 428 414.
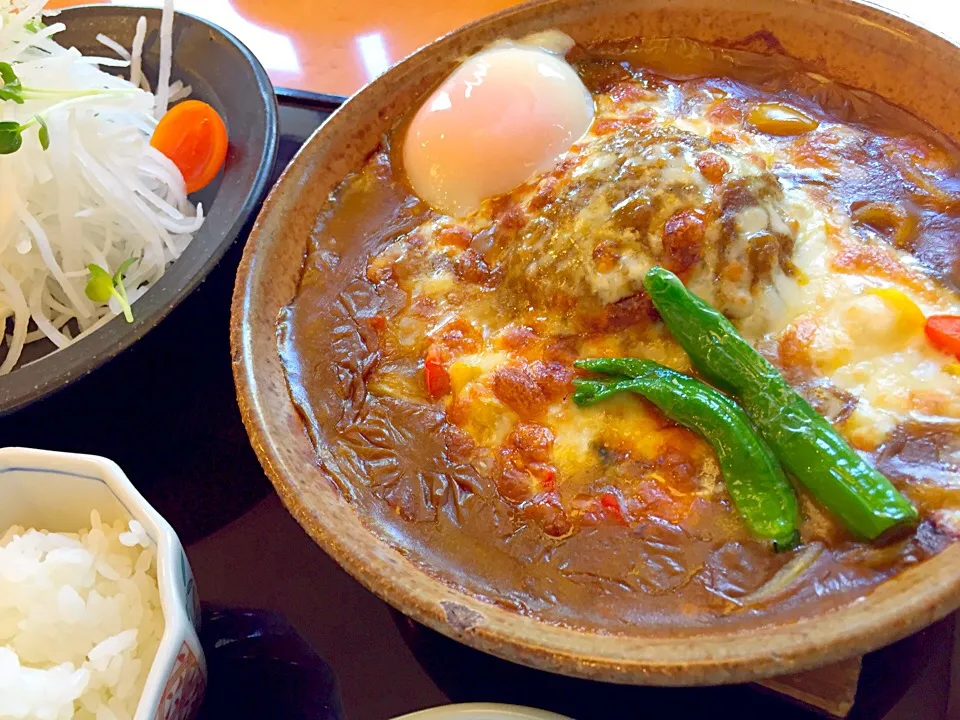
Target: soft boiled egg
pixel 503 116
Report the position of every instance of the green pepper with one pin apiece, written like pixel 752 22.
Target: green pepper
pixel 805 443
pixel 761 492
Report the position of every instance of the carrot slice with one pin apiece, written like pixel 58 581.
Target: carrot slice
pixel 944 332
pixel 192 134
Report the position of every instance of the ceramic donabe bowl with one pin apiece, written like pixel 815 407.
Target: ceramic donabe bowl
pixel 849 42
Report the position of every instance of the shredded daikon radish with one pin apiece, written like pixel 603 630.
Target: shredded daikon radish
pixel 100 194
pixel 166 56
pixel 136 67
pixel 115 46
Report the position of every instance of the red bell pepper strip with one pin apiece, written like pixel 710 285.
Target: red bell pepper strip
pixel 435 372
pixel 944 332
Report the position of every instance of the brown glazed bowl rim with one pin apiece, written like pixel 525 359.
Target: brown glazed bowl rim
pixel 896 608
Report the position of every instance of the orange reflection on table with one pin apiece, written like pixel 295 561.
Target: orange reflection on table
pixel 336 46
pixel 327 46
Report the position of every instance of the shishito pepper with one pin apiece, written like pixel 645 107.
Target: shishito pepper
pixel 756 483
pixel 805 443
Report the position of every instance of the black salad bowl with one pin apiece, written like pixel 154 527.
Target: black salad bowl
pixel 222 73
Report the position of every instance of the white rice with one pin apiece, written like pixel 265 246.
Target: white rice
pixel 80 621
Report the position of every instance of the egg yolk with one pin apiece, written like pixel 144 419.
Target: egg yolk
pixel 505 115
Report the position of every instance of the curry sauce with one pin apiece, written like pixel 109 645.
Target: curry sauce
pixel 432 357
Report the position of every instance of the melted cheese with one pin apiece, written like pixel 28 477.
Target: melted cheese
pixel 864 343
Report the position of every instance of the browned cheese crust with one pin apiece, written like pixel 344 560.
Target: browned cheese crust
pixel 432 357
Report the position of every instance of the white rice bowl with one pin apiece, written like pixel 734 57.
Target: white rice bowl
pixel 80 621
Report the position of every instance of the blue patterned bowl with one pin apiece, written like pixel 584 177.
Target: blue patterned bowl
pixel 56 492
